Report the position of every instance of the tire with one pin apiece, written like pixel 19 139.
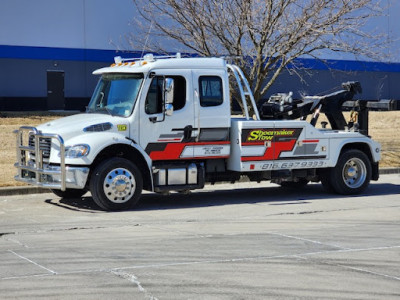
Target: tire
pixel 325 177
pixel 302 182
pixel 116 184
pixel 326 182
pixel 352 173
pixel 69 193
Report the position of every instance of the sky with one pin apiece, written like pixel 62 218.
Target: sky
pixel 103 24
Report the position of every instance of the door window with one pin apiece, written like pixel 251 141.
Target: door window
pixel 210 91
pixel 153 104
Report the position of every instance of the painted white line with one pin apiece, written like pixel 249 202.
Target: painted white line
pixel 16 241
pixel 119 270
pixel 27 276
pixel 296 255
pixel 32 262
pixel 132 278
pixel 354 268
pixel 308 240
pixel 352 250
pixel 371 272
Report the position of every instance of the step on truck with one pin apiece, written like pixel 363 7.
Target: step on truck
pixel 165 124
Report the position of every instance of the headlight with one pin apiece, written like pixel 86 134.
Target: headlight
pixel 76 151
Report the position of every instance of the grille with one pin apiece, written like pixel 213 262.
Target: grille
pixel 44 145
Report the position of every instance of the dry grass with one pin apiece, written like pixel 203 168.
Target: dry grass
pixel 384 127
pixel 8 124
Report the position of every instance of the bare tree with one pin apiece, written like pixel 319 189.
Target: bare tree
pixel 262 36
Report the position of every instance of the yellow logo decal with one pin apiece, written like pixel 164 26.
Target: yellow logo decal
pixel 122 127
pixel 267 135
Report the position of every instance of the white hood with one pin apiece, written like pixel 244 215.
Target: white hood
pixel 73 126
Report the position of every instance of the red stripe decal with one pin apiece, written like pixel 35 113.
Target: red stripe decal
pixel 310 141
pixel 173 151
pixel 169 140
pixel 272 152
pixel 254 144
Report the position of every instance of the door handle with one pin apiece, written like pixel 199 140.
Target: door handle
pixel 187 133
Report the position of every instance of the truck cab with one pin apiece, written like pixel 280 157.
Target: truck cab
pixel 165 124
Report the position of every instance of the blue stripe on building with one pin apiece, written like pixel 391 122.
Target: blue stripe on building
pixel 69 54
pixel 96 55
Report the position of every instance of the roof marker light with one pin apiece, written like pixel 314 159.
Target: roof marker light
pixel 118 59
pixel 149 57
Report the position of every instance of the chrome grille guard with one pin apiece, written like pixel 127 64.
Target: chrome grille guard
pixel 33 174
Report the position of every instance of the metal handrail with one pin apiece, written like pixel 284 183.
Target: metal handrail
pixel 38 169
pixel 240 78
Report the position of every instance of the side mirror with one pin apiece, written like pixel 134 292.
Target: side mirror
pixel 168 96
pixel 169 109
pixel 168 90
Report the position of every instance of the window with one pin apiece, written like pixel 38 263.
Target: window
pixel 116 94
pixel 154 96
pixel 153 104
pixel 210 91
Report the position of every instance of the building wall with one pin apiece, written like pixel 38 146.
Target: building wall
pixel 79 36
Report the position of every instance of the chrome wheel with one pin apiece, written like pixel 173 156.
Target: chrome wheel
pixel 119 185
pixel 354 173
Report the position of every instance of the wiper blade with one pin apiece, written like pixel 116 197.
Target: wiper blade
pixel 105 108
pixel 100 110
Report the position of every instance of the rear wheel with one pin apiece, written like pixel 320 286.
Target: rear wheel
pixel 69 193
pixel 116 184
pixel 351 175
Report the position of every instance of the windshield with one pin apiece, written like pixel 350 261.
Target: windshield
pixel 116 94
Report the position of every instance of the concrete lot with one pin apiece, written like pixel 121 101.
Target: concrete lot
pixel 248 241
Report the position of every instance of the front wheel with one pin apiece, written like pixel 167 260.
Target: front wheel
pixel 116 184
pixel 352 173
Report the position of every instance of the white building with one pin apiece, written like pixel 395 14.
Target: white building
pixel 49 48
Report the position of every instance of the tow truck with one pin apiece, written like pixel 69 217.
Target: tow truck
pixel 165 124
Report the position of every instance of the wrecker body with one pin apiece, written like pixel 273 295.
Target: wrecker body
pixel 165 124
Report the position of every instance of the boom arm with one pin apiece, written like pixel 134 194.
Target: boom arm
pixel 283 107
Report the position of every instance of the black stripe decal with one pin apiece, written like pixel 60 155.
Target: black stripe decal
pixel 302 157
pixel 155 147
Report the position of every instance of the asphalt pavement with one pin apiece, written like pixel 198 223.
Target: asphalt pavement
pixel 242 241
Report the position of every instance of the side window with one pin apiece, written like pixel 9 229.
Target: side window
pixel 153 104
pixel 210 91
pixel 179 92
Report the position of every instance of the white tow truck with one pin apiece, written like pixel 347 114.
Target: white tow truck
pixel 165 124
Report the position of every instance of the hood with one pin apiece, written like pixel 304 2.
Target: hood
pixel 73 126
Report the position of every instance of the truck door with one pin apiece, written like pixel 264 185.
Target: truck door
pixel 163 136
pixel 212 113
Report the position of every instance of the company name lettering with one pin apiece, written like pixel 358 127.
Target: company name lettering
pixel 267 135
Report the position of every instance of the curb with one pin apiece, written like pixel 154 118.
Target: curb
pixel 386 171
pixel 26 190
pixel 22 190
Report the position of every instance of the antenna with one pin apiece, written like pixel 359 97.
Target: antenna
pixel 147 39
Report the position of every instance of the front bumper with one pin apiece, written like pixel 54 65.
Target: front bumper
pixel 50 176
pixel 32 162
